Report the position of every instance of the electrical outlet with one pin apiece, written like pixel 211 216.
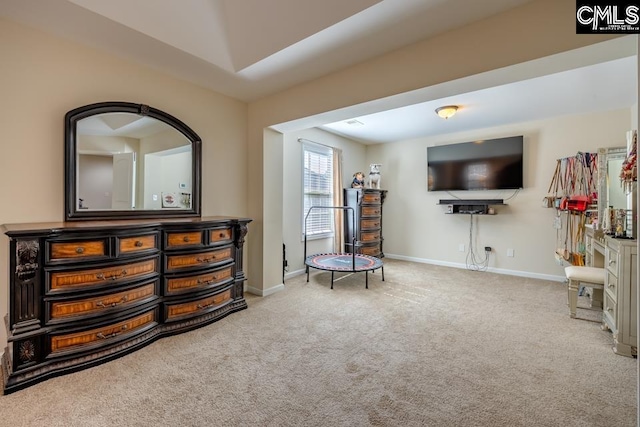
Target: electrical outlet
pixel 487 248
pixel 461 247
pixel 510 253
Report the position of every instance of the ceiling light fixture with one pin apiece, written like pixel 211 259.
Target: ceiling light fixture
pixel 446 111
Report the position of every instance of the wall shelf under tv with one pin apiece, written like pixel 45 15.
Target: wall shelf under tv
pixel 471 206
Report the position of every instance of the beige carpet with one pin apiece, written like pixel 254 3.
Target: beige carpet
pixel 431 346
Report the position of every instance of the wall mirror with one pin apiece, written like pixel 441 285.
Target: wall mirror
pixel 610 190
pixel 127 160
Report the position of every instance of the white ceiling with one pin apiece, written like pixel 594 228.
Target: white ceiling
pixel 248 49
pixel 604 86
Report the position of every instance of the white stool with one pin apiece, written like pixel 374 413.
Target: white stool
pixel 592 277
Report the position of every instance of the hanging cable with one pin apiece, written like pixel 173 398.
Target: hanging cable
pixel 473 260
pixel 453 195
pixel 515 193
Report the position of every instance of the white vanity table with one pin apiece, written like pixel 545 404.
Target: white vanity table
pixel 620 311
pixel 618 256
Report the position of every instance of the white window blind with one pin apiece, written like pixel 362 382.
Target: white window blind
pixel 318 190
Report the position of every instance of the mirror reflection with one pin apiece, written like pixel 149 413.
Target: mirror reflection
pixel 616 207
pixel 616 197
pixel 126 161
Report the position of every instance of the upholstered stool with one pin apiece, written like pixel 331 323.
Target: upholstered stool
pixel 591 277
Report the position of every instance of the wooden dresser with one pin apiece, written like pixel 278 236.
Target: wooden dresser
pixel 82 293
pixel 366 224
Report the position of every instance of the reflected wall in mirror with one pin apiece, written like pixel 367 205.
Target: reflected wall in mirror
pixel 129 160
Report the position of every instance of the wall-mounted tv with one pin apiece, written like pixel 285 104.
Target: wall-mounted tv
pixel 491 164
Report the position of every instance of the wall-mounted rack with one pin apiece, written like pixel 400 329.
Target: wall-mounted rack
pixel 471 206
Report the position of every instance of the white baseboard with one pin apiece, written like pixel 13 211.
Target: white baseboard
pixel 265 292
pixel 528 274
pixel 273 289
pixel 291 274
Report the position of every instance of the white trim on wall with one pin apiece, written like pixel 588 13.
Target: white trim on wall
pixel 518 273
pixel 264 292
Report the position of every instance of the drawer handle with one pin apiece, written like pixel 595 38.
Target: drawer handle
pixel 211 258
pixel 222 235
pixel 101 276
pixel 102 336
pixel 201 307
pixel 611 285
pixel 113 304
pixel 185 239
pixel 207 282
pixel 612 261
pixel 610 309
pixel 79 250
pixel 138 243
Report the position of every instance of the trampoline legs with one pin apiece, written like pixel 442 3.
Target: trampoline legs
pixel 372 266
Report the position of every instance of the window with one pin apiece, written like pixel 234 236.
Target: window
pixel 318 190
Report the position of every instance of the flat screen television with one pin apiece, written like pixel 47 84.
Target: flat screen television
pixel 491 164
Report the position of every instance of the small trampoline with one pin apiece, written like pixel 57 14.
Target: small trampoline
pixel 338 261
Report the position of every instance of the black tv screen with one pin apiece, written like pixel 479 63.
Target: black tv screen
pixel 493 164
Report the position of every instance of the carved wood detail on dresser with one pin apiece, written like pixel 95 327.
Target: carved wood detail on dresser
pixel 84 293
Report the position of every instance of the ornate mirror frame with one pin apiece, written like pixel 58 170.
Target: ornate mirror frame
pixel 73 213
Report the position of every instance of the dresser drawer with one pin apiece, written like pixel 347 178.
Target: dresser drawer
pixel 370 250
pixel 611 286
pixel 103 335
pixel 137 244
pixel 177 285
pixel 80 249
pixel 370 211
pixel 372 198
pixel 220 235
pixel 197 307
pixel 610 308
pixel 370 224
pixel 70 280
pixel 212 257
pixel 612 260
pixel 184 239
pixel 97 305
pixel 370 236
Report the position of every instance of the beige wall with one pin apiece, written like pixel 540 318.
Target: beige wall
pixel 353 154
pixel 41 78
pixel 534 30
pixel 416 228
